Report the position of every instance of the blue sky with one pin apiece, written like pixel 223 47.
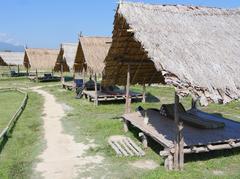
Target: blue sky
pixel 47 23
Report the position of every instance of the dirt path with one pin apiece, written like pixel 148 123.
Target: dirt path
pixel 63 157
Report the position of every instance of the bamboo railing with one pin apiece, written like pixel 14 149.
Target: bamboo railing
pixel 5 132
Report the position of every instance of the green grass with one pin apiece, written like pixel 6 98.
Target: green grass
pixel 20 151
pixel 10 101
pixel 86 121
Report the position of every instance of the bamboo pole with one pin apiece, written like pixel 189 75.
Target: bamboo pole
pixel 176 141
pixel 144 93
pixel 83 76
pixel 62 72
pixel 179 140
pixel 181 146
pixel 127 105
pixel 96 95
pixel 27 69
pixel 18 69
pixel 36 75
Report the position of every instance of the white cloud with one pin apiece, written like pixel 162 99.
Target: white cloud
pixel 8 39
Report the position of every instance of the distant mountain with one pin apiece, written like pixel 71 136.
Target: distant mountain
pixel 10 47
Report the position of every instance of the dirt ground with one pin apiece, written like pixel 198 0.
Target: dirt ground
pixel 62 157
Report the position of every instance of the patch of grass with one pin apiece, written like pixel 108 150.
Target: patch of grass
pixel 22 82
pixel 24 144
pixel 86 122
pixel 10 101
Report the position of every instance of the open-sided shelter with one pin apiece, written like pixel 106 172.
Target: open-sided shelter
pixel 40 59
pixel 90 57
pixel 12 58
pixel 195 49
pixel 91 53
pixel 2 62
pixel 66 57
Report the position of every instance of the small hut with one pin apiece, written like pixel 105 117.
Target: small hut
pixel 12 58
pixel 66 57
pixel 90 55
pixel 2 62
pixel 40 59
pixel 195 49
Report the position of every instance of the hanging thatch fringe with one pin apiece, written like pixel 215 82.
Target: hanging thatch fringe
pixel 194 48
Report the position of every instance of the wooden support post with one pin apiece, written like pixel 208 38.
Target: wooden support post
pixel 179 140
pixel 36 75
pixel 125 125
pixel 28 69
pixel 96 94
pixel 194 103
pixel 18 69
pixel 181 146
pixel 62 72
pixel 176 141
pixel 128 100
pixel 144 93
pixel 83 76
pixel 144 141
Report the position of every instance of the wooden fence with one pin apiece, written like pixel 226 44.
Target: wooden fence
pixel 17 114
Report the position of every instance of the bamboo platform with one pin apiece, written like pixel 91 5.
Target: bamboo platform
pixel 44 79
pixel 163 131
pixel 113 96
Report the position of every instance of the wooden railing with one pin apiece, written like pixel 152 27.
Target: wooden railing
pixel 5 132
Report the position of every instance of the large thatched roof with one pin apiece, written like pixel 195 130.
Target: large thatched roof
pixel 91 53
pixel 12 58
pixel 195 48
pixel 40 59
pixel 66 57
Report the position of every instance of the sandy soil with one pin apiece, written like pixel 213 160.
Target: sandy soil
pixel 145 164
pixel 63 158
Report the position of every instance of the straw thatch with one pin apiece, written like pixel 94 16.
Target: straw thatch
pixel 91 53
pixel 66 57
pixel 12 58
pixel 40 59
pixel 195 48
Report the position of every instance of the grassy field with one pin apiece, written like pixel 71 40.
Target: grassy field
pixel 25 142
pixel 85 121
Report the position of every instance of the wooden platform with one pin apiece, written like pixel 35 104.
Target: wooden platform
pixel 43 79
pixel 196 140
pixel 114 96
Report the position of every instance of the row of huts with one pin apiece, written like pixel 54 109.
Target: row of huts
pixel 195 49
pixel 88 55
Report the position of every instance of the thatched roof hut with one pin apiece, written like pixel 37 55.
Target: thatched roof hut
pixel 66 57
pixel 12 58
pixel 2 62
pixel 196 49
pixel 91 53
pixel 40 59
